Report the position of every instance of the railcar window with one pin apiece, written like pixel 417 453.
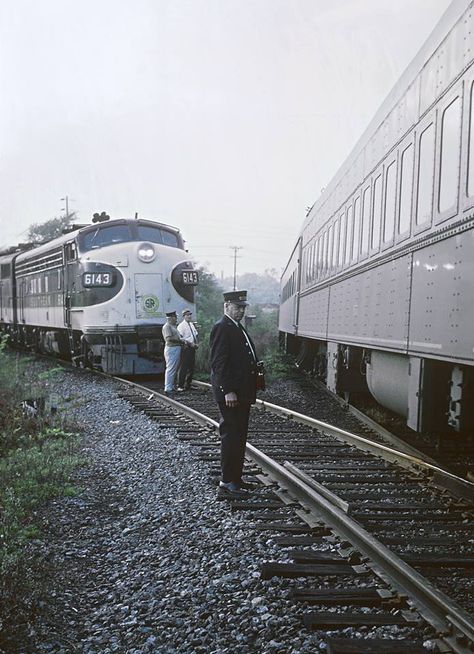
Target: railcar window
pixel 390 192
pixel 450 145
pixel 343 221
pixel 106 235
pixel 337 227
pixel 406 188
pixel 348 234
pixel 330 248
pixel 364 243
pixel 325 259
pixel 377 213
pixel 470 165
pixel 356 230
pixel 157 235
pixel 426 156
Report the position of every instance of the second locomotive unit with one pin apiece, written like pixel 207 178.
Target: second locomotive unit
pixel 98 294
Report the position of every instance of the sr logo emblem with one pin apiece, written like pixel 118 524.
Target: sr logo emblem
pixel 150 304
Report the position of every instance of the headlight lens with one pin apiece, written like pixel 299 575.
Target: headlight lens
pixel 146 252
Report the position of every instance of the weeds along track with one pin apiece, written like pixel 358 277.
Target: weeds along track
pixel 369 535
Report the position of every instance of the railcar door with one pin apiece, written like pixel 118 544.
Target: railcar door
pixel 70 256
pixel 148 296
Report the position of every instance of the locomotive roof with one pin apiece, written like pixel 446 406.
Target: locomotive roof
pixel 68 236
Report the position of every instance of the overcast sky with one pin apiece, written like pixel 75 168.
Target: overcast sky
pixel 224 118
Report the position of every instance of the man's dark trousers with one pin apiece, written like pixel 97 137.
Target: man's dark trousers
pixel 186 368
pixel 233 428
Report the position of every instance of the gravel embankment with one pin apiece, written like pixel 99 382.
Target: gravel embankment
pixel 145 559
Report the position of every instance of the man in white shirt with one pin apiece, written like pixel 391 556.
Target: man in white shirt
pixel 189 334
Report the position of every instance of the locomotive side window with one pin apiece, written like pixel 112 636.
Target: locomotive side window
pixel 470 164
pixel 426 156
pixel 406 188
pixel 390 192
pixel 364 243
pixel 377 213
pixel 449 165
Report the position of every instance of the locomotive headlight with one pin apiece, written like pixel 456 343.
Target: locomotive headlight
pixel 146 252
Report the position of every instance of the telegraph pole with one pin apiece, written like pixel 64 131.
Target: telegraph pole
pixel 235 248
pixel 66 200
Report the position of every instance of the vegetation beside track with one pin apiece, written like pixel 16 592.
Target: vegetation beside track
pixel 263 327
pixel 38 451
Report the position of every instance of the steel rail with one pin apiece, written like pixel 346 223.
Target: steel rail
pixel 453 625
pixel 411 459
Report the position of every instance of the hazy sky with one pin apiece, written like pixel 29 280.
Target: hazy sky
pixel 224 118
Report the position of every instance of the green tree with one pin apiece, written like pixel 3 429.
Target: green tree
pixel 42 232
pixel 209 303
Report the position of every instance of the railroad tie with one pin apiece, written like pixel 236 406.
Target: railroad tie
pixel 292 570
pixel 369 597
pixel 373 646
pixel 329 620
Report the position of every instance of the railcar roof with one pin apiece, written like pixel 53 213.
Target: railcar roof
pixel 447 21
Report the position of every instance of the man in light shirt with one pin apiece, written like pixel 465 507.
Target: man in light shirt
pixel 189 334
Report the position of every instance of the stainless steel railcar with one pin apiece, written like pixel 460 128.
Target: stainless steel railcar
pixel 98 294
pixel 378 292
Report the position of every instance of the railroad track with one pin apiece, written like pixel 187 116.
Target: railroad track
pixel 386 536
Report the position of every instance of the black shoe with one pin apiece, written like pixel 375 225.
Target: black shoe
pixel 230 491
pixel 169 393
pixel 248 486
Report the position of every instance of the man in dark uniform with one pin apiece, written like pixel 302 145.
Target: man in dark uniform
pixel 233 379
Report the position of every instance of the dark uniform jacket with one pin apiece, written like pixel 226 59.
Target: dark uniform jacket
pixel 233 365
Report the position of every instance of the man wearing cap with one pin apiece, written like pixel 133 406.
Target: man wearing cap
pixel 233 379
pixel 173 342
pixel 189 334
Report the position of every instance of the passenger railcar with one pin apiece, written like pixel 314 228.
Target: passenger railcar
pixel 98 294
pixel 378 292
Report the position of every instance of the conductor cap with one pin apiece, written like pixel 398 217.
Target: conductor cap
pixel 170 314
pixel 236 297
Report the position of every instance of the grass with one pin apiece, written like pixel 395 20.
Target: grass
pixel 37 457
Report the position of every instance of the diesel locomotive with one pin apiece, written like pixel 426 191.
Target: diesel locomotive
pixel 98 294
pixel 378 293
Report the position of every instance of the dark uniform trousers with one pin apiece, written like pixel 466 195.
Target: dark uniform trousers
pixel 233 428
pixel 186 369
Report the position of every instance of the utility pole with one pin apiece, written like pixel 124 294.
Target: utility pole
pixel 235 248
pixel 66 200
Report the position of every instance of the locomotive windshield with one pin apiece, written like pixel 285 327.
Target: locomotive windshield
pixel 157 235
pixel 104 235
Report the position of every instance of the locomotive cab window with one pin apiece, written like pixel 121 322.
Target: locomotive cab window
pixel 157 235
pixel 105 235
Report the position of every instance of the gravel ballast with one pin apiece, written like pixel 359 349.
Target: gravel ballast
pixel 144 558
